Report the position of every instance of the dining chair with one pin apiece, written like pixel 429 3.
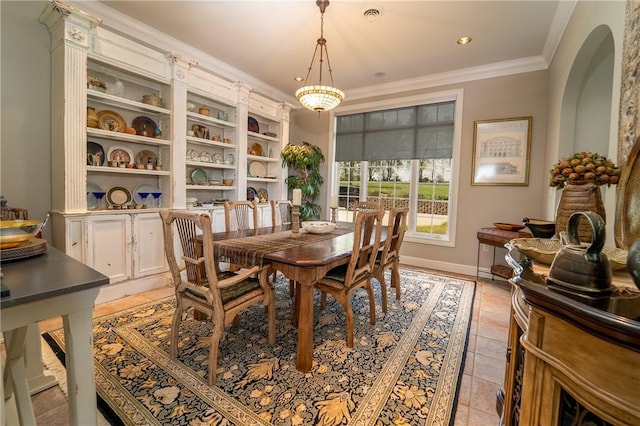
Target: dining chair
pixel 281 212
pixel 281 215
pixel 363 206
pixel 245 217
pixel 343 280
pixel 221 296
pixel 389 254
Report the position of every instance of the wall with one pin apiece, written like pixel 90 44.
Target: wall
pixel 479 206
pixel 25 171
pixel 588 18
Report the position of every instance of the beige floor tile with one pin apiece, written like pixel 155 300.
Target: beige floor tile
pixel 483 395
pixel 487 329
pixel 487 368
pixel 464 394
pixel 491 348
pixel 461 416
pixel 480 418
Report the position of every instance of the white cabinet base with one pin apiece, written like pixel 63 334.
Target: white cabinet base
pixel 127 288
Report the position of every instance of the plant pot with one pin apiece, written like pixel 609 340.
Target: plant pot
pixel 579 196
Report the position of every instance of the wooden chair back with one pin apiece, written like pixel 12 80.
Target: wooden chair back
pixel 396 227
pixel 364 206
pixel 281 212
pixel 240 215
pixel 366 243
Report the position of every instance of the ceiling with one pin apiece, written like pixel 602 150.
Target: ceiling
pixel 274 40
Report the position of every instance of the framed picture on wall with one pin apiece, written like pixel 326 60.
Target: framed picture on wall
pixel 501 150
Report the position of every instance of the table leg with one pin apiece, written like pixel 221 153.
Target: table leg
pixel 305 327
pixel 80 372
pixel 15 376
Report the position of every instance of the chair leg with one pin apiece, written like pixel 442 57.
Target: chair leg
pixel 214 342
pixel 349 320
pixel 378 274
pixel 175 332
pixel 395 279
pixel 372 303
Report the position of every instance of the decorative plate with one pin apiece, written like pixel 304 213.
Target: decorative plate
pixel 111 120
pixel 142 193
pixel 192 154
pixel 145 155
pixel 93 149
pixel 206 157
pixel 92 201
pixel 262 193
pixel 144 126
pixel 257 169
pixel 198 177
pixel 217 158
pixel 120 154
pixel 118 196
pixel 253 125
pixel 251 193
pixel 229 159
pixel 508 226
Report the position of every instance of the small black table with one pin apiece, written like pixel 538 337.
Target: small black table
pixel 45 286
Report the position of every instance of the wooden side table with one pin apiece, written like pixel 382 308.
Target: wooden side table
pixel 497 238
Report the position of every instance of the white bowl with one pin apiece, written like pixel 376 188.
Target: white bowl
pixel 318 226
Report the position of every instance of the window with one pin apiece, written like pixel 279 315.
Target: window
pixel 402 156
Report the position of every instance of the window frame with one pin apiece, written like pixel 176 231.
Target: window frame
pixel 456 95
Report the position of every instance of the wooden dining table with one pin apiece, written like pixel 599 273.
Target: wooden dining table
pixel 302 257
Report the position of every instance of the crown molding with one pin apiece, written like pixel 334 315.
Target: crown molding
pixel 498 69
pixel 560 21
pixel 129 27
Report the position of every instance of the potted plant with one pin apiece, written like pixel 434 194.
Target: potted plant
pixel 580 175
pixel 305 160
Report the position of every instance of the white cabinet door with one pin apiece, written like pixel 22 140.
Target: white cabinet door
pixel 149 257
pixel 109 245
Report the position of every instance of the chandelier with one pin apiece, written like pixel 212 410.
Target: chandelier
pixel 320 97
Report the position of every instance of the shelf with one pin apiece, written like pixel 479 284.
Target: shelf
pixel 262 159
pixel 124 103
pixel 210 165
pixel 210 187
pixel 266 138
pixel 194 116
pixel 260 179
pixel 124 170
pixel 126 137
pixel 207 142
pixel 502 271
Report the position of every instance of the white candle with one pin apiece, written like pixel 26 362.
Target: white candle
pixel 297 197
pixel 334 202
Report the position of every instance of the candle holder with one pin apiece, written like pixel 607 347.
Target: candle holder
pixel 295 219
pixel 334 213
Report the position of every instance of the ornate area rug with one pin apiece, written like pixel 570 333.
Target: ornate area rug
pixel 405 370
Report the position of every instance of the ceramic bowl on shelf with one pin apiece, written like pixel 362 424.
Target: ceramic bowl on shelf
pixel 152 100
pixel 227 182
pixel 318 226
pixel 191 107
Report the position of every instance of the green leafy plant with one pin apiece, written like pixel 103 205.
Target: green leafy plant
pixel 305 160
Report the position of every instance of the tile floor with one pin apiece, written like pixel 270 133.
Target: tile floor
pixel 483 370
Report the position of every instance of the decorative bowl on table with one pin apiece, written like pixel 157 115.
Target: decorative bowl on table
pixel 544 250
pixel 318 226
pixel 508 226
pixel 540 228
pixel 16 232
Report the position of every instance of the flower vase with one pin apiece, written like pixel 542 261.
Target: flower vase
pixel 579 196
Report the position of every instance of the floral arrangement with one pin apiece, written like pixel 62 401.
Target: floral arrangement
pixel 584 166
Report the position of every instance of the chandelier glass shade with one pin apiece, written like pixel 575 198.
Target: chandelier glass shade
pixel 320 97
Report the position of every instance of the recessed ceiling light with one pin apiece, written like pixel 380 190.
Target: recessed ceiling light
pixel 380 74
pixel 299 79
pixel 464 40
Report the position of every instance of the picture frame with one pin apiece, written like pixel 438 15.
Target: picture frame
pixel 501 150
